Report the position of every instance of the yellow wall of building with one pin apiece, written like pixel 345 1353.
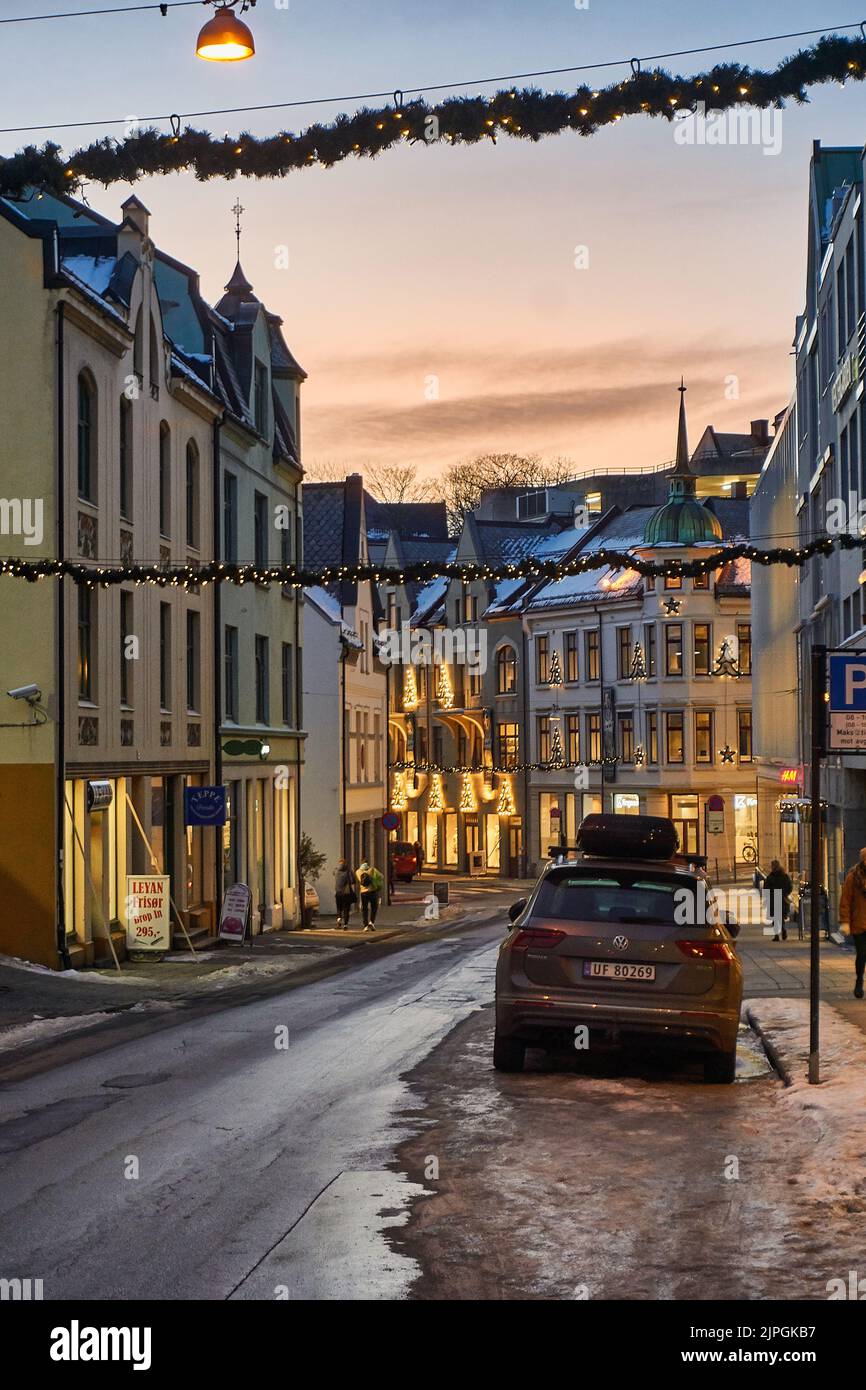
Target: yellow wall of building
pixel 27 611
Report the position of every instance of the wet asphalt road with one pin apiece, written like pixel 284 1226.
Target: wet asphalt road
pixel 349 1139
pixel 192 1163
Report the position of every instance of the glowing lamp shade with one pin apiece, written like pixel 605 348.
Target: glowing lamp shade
pixel 225 39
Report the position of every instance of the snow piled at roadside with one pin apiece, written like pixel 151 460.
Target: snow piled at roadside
pixel 836 1106
pixel 44 1029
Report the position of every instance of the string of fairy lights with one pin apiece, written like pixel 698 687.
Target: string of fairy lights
pixel 525 113
pixel 426 571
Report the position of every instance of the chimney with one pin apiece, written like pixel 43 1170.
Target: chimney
pixel 760 434
pixel 135 212
pixel 777 421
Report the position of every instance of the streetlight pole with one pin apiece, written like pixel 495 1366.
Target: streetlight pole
pixel 819 685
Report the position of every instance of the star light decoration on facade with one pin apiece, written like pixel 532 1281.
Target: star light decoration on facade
pixel 671 606
pixel 727 753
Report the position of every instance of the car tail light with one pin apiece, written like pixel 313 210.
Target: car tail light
pixel 707 950
pixel 539 938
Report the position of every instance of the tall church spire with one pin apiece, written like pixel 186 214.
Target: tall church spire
pixel 683 467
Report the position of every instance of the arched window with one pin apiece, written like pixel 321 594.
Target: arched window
pixel 86 437
pixel 192 494
pixel 164 480
pixel 125 458
pixel 138 349
pixel 154 359
pixel 506 671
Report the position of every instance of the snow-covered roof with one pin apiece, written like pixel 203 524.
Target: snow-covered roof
pixel 330 608
pixel 93 271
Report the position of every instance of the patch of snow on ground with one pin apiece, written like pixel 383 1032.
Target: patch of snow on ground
pixel 837 1105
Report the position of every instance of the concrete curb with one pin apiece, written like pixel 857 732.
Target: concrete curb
pixel 771 1050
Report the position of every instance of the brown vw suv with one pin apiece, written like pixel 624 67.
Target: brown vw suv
pixel 623 942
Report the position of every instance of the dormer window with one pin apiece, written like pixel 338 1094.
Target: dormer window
pixel 260 399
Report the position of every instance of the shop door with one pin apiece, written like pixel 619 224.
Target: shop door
pixel 688 833
pixel 515 848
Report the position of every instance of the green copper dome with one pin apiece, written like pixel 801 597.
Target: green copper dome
pixel 683 520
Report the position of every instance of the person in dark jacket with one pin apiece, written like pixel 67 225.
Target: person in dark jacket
pixel 779 885
pixel 344 892
pixel 419 856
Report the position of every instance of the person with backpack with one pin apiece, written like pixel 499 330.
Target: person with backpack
pixel 778 884
pixel 369 888
pixel 852 916
pixel 344 893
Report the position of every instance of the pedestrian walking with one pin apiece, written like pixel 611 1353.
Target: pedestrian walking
pixel 852 915
pixel 419 856
pixel 779 883
pixel 369 887
pixel 344 892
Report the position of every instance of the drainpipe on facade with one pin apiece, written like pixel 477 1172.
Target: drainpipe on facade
pixel 217 668
pixel 387 780
pixel 597 612
pixel 343 752
pixel 299 715
pixel 527 840
pixel 60 721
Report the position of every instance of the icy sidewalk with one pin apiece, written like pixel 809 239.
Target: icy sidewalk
pixel 833 1171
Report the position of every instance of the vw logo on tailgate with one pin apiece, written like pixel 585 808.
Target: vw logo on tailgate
pixel 620 943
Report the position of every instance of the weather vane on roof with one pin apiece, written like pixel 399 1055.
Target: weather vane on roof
pixel 237 210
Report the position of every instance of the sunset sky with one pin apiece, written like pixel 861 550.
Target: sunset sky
pixel 458 263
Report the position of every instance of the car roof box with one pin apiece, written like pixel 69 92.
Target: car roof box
pixel 628 837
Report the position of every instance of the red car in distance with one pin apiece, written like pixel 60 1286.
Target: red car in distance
pixel 404 860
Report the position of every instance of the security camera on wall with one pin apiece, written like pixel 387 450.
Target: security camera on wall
pixel 25 692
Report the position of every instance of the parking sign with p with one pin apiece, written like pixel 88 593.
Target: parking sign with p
pixel 847 673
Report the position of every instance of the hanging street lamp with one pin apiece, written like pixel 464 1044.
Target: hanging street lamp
pixel 225 38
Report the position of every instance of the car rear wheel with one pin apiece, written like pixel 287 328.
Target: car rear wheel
pixel 721 1068
pixel 508 1053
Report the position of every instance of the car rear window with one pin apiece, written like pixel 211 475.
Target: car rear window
pixel 616 896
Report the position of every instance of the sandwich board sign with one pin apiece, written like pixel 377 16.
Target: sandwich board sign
pixel 148 913
pixel 715 815
pixel 847 706
pixel 235 915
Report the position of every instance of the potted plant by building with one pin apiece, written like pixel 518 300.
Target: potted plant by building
pixel 311 862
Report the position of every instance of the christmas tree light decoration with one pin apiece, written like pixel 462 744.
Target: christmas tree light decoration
pixel 638 664
pixel 506 805
pixel 444 688
pixel 468 799
pixel 555 674
pixel 639 756
pixel 410 689
pixel 436 799
pixel 398 796
pixel 726 663
pixel 556 755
